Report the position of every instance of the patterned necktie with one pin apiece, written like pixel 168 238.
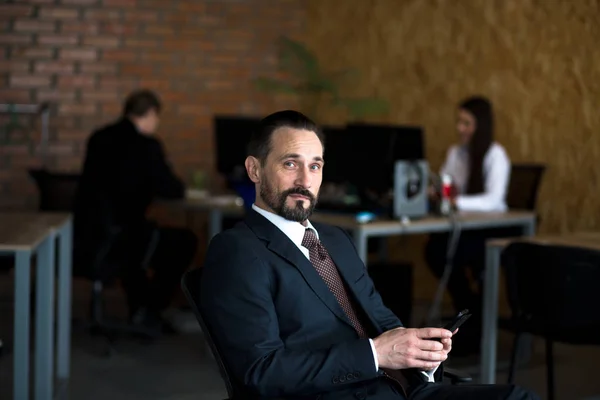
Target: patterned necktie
pixel 320 259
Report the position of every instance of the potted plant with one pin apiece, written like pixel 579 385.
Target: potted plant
pixel 306 79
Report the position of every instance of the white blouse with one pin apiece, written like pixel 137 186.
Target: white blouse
pixel 496 175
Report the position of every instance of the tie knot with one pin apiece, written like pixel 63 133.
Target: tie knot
pixel 310 239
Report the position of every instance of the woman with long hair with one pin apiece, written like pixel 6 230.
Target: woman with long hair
pixel 480 171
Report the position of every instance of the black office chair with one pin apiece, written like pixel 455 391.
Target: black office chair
pixel 525 180
pixel 190 283
pixel 551 290
pixel 56 190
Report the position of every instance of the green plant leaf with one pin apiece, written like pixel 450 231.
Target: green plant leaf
pixel 296 59
pixel 363 107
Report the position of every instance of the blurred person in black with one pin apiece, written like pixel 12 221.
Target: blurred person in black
pixel 125 169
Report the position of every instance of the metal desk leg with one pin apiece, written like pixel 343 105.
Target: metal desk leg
pixel 490 314
pixel 63 342
pixel 44 320
pixel 21 330
pixel 215 223
pixel 360 241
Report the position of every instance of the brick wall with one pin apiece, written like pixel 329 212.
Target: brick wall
pixel 84 56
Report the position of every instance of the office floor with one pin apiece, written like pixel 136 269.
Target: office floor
pixel 179 368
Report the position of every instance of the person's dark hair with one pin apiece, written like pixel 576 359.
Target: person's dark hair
pixel 260 141
pixel 140 102
pixel 481 141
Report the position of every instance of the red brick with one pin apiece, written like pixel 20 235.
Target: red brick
pixel 156 84
pixel 141 16
pixel 29 81
pixel 38 1
pixel 156 56
pixel 57 39
pixel 160 30
pixel 109 82
pixel 118 28
pixel 72 134
pixel 102 15
pixel 80 2
pixel 31 25
pixel 137 69
pixel 15 10
pixel 77 81
pixel 121 3
pixel 14 66
pixel 102 41
pixel 14 149
pixel 54 67
pixel 111 109
pixel 101 96
pixel 76 109
pixel 58 12
pixel 33 52
pixel 55 95
pixel 119 55
pixel 98 68
pixel 15 96
pixel 79 54
pixel 79 27
pixel 15 39
pixel 141 43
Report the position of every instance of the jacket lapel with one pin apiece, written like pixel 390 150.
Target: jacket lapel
pixel 280 244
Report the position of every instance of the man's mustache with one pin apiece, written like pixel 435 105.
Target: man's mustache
pixel 300 191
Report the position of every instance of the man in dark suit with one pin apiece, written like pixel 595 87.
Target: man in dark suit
pixel 290 303
pixel 125 169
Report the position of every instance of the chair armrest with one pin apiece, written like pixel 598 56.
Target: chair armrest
pixel 456 376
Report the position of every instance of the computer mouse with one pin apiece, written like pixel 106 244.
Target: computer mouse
pixel 364 216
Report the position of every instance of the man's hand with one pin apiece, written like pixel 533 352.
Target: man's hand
pixel 403 348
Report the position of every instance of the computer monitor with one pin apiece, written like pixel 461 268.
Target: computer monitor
pixel 232 134
pixel 376 148
pixel 337 150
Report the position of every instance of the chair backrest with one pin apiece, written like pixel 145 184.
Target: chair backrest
pixel 190 283
pixel 523 187
pixel 553 290
pixel 57 190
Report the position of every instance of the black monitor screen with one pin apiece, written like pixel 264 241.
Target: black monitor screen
pixel 377 148
pixel 232 135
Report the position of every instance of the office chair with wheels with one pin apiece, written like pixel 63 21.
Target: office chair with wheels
pixel 550 292
pixel 190 283
pixel 57 193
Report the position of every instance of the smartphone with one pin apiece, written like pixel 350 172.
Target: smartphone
pixel 458 320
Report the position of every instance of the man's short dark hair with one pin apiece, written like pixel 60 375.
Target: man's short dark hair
pixel 140 102
pixel 260 141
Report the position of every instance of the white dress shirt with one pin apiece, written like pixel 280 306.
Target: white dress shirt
pixel 295 232
pixel 496 175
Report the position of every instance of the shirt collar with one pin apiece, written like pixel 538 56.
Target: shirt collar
pixel 293 230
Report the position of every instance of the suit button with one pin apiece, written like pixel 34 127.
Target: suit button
pixel 357 375
pixel 335 380
pixel 360 395
pixel 350 376
pixel 342 379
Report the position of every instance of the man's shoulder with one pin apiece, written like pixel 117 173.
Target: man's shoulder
pixel 238 236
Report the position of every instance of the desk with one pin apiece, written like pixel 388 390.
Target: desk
pixel 494 249
pixel 25 235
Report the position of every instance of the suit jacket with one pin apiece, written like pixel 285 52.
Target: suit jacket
pixel 122 173
pixel 281 331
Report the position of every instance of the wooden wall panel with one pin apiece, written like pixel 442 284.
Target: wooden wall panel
pixel 537 60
